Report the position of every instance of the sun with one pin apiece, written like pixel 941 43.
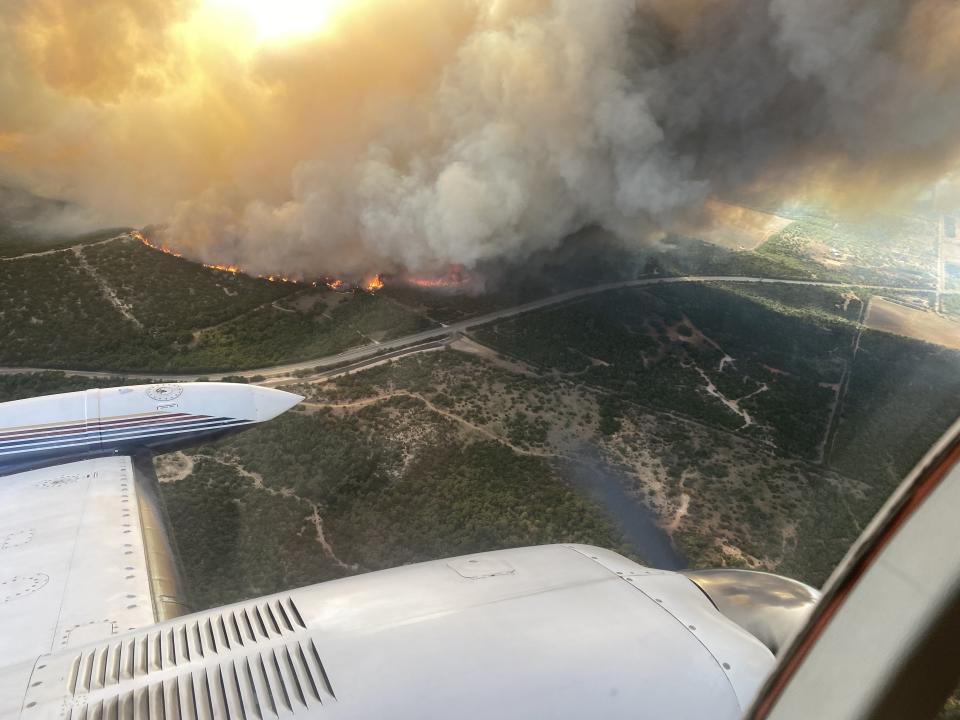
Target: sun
pixel 277 20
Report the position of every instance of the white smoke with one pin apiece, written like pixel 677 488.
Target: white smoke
pixel 424 134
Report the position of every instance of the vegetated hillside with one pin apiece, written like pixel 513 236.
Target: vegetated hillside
pixel 122 306
pixel 166 293
pixel 453 452
pixel 392 483
pixel 237 541
pixel 903 395
pixel 796 342
pixel 707 406
pixel 447 453
pixel 709 353
pixel 450 307
pixel 52 314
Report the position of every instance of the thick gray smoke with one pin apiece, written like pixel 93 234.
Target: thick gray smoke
pixel 422 134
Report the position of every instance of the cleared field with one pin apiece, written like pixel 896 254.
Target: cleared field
pixel 739 228
pixel 892 317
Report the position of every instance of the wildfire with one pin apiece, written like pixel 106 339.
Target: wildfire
pixel 371 285
pixel 374 284
pixel 456 279
pixel 136 235
pixel 431 283
pixel 232 269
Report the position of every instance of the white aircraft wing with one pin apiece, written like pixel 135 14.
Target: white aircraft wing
pixel 84 554
pixel 74 552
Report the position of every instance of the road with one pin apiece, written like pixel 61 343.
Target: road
pixel 362 356
pixel 58 250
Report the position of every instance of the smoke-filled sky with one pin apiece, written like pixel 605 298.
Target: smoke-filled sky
pixel 340 136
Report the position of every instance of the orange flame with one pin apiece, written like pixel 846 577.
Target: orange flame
pixel 371 285
pixel 162 248
pixel 232 269
pixel 430 283
pixel 457 277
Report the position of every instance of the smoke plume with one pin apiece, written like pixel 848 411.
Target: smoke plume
pixel 421 133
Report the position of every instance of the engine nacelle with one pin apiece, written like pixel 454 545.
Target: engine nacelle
pixel 770 607
pixel 42 431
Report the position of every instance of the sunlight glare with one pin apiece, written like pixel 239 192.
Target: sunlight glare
pixel 275 20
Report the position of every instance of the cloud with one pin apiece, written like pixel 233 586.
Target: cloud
pixel 417 134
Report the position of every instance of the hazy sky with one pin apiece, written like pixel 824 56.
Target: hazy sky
pixel 310 137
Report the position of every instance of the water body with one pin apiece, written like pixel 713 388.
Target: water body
pixel 635 520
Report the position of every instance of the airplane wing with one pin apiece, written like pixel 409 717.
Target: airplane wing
pixel 84 551
pixel 81 557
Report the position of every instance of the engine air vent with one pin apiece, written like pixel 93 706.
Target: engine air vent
pixel 171 647
pixel 273 683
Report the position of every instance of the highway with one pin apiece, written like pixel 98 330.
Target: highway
pixel 364 355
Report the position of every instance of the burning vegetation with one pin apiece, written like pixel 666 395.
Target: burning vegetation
pixel 232 269
pixel 137 235
pixel 457 278
pixel 373 284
